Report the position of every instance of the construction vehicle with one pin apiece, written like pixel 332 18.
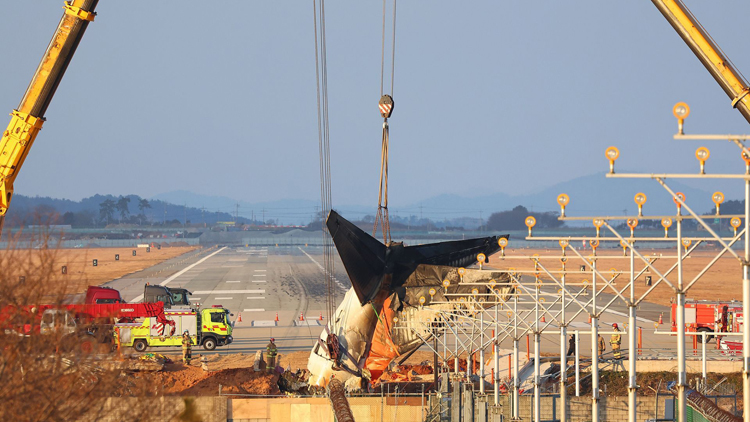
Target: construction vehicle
pixel 708 52
pixel 83 325
pixel 27 120
pixel 708 316
pixel 209 327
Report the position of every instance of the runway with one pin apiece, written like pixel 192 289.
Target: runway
pixel 256 284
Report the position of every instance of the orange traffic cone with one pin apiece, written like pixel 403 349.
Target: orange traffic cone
pixel 543 320
pixel 301 316
pixel 661 319
pixel 277 317
pixel 321 316
pixel 239 317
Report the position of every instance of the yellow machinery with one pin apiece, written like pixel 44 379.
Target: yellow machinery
pixel 718 65
pixel 27 119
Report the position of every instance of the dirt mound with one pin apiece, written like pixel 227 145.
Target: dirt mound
pixel 235 381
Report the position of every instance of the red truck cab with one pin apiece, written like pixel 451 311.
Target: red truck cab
pixel 97 295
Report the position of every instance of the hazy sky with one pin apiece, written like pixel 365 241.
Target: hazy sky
pixel 491 96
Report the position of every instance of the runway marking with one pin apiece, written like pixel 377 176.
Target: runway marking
pixel 233 281
pixel 260 271
pixel 625 315
pixel 270 323
pixel 306 323
pixel 231 266
pixel 218 292
pixel 259 281
pixel 256 297
pixel 179 273
pixel 259 275
pixel 222 298
pixel 195 298
pixel 254 310
pixel 321 268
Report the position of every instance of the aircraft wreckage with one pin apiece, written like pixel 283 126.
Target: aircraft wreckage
pixel 381 317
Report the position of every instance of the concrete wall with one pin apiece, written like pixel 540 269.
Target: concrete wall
pixel 405 409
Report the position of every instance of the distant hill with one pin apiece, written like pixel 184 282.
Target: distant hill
pixel 589 195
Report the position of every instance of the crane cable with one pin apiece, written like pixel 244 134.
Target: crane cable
pixel 386 109
pixel 324 151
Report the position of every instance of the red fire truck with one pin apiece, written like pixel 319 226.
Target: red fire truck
pixel 80 325
pixel 710 316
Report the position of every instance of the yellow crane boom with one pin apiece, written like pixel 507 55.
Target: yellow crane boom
pixel 27 120
pixel 704 47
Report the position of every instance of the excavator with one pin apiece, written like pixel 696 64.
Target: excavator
pixel 26 121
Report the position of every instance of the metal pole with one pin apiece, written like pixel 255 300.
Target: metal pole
pixel 633 353
pixel 746 309
pixel 703 347
pixel 563 355
pixel 594 350
pixel 578 365
pixel 481 353
pixel 681 373
pixel 496 349
pixel 455 356
pixel 515 358
pixel 537 376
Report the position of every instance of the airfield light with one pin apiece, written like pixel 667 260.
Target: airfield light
pixel 746 157
pixel 598 223
pixel 666 223
pixel 614 275
pixel 530 223
pixel 681 111
pixel 702 155
pixel 686 243
pixel 594 244
pixel 422 300
pixel 502 242
pixel 395 319
pixel 432 292
pixel 563 200
pixel 475 291
pixel 679 199
pixel 718 198
pixel 612 153
pixel 492 283
pixel 632 223
pixel 446 283
pixel 640 199
pixel 735 223
pixel 624 246
pixel 563 244
pixel 481 258
pixel 510 314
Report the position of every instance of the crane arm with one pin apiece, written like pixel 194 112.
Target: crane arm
pixel 708 52
pixel 27 120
